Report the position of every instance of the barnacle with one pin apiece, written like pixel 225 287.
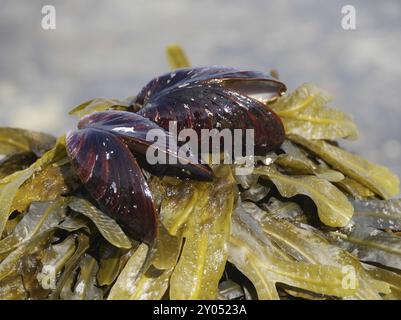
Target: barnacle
pixel 311 221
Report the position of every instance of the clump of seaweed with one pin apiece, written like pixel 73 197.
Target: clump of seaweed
pixel 312 221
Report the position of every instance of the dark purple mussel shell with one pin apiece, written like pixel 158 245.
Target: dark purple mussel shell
pixel 215 98
pixel 104 153
pixel 132 129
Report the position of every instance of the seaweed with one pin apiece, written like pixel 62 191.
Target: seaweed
pixel 312 220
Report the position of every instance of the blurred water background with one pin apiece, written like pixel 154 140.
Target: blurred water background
pixel 111 48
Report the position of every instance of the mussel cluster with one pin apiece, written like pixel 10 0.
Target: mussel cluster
pixel 106 149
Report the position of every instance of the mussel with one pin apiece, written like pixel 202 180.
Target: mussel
pixel 215 98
